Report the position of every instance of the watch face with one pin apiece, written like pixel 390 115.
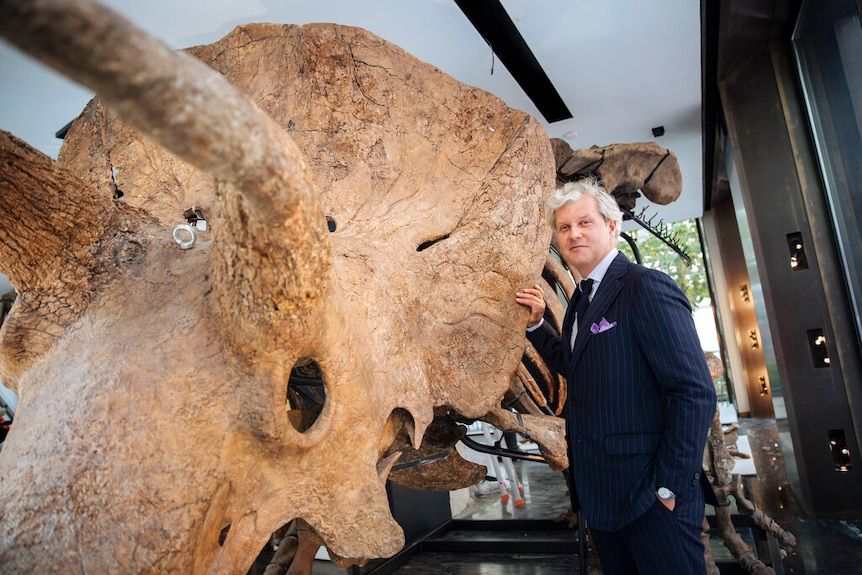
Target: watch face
pixel 665 493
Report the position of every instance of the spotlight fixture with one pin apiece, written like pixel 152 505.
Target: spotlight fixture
pixel 658 131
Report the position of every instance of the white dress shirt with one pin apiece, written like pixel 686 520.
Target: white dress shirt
pixel 597 275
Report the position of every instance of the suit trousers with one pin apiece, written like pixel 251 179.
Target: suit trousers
pixel 660 542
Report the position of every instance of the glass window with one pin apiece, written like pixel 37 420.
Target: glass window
pixel 828 48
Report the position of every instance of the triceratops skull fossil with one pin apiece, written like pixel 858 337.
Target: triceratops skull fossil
pixel 152 433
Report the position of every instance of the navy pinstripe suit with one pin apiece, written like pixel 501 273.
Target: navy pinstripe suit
pixel 640 398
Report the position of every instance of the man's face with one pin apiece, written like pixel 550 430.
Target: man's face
pixel 585 237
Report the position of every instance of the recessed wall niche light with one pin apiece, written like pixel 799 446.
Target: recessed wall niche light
pixel 819 351
pixel 658 131
pixel 798 259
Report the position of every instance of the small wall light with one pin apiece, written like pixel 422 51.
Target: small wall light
pixel 782 497
pixel 798 259
pixel 817 345
pixel 840 451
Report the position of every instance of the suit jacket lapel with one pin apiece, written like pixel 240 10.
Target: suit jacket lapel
pixel 607 291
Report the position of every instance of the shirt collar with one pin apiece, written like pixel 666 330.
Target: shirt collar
pixel 599 271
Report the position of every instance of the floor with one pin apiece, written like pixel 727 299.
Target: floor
pixel 824 547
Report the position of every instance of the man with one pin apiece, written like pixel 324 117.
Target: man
pixel 640 399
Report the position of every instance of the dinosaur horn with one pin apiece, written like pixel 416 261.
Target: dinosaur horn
pixel 195 113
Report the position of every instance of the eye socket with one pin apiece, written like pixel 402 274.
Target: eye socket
pixel 306 394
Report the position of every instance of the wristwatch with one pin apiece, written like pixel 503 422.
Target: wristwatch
pixel 665 493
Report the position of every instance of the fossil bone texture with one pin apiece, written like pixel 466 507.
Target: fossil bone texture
pixel 625 170
pixel 365 212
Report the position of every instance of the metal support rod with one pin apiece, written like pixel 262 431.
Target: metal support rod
pixel 493 450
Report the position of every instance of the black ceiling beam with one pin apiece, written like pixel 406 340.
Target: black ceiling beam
pixel 497 29
pixel 710 99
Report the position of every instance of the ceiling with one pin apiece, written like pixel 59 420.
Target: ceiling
pixel 621 67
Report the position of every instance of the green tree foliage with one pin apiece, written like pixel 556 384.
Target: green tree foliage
pixel 656 254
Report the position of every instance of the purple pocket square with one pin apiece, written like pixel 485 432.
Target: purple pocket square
pixel 602 326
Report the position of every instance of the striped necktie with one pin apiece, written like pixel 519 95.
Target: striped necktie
pixel 583 301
